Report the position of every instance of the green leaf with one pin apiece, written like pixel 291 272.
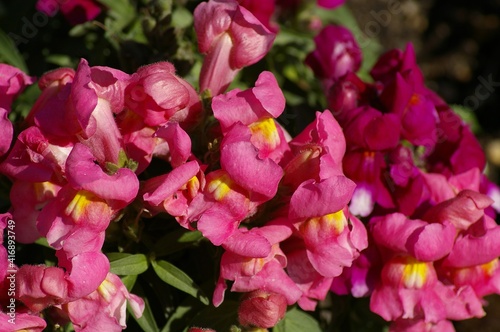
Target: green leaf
pixel 129 281
pixel 43 242
pixel 297 321
pixel 178 279
pixel 9 52
pixel 182 18
pixel 175 241
pixel 122 13
pixel 179 314
pixel 129 265
pixel 220 318
pixel 147 321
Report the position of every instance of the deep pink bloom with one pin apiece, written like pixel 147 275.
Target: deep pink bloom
pixel 330 3
pixel 232 38
pixel 75 11
pixel 317 152
pixel 84 207
pixel 256 108
pixel 6 131
pixel 261 309
pixel 33 158
pixel 158 95
pixel 409 289
pixel 263 10
pixel 51 84
pixel 313 286
pixel 336 54
pixel 220 208
pixel 366 169
pixel 330 243
pixel 12 83
pixel 173 192
pixel 261 273
pixel 242 161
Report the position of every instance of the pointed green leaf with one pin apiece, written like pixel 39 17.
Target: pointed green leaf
pixel 297 321
pixel 175 241
pixel 9 52
pixel 178 279
pixel 129 265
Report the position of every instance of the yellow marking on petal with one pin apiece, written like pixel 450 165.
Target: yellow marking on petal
pixel 414 100
pixel 369 154
pixel 253 266
pixel 265 134
pixel 193 186
pixel 220 186
pixel 490 268
pixel 415 273
pixel 42 188
pixel 332 223
pixel 78 205
pixel 106 289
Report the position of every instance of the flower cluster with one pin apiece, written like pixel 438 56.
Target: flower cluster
pixel 417 167
pixel 381 195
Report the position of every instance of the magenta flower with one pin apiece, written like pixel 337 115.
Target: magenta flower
pixel 317 152
pixel 75 11
pixel 336 54
pixel 263 10
pixel 12 83
pixel 330 3
pixel 232 38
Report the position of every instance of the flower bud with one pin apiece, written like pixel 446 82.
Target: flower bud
pixel 262 309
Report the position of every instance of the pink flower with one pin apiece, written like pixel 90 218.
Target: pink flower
pixel 256 108
pixel 173 192
pixel 40 286
pixel 317 152
pixel 12 83
pixel 146 95
pixel 34 158
pixel 84 207
pixel 105 308
pixel 75 11
pixel 23 322
pixel 232 38
pixel 261 309
pixel 251 273
pixel 244 164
